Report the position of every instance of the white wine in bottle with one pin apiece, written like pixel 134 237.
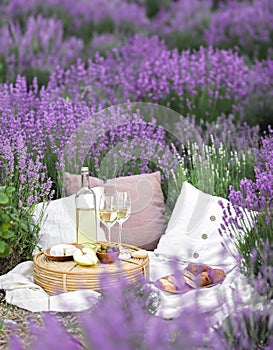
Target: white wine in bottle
pixel 86 225
pixel 86 221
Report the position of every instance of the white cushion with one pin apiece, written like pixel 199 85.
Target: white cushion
pixel 192 233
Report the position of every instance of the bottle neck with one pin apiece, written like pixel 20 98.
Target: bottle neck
pixel 85 180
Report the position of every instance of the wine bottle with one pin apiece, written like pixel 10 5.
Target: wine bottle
pixel 86 221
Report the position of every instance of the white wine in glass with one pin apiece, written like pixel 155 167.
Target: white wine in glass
pixel 124 211
pixel 108 211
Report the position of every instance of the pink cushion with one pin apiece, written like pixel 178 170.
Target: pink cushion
pixel 147 222
pixel 72 183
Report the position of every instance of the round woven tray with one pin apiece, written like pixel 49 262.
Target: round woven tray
pixel 65 276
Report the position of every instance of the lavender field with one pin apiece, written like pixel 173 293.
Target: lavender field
pixel 63 63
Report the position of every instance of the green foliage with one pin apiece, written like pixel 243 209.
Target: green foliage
pixel 255 240
pixel 248 329
pixel 19 231
pixel 201 105
pixel 11 224
pixel 62 15
pixel 254 50
pixel 106 25
pixel 154 6
pixel 259 110
pixel 171 188
pixel 42 76
pixel 85 32
pixel 211 169
pixel 184 40
pixel 214 168
pixel 2 69
pixel 3 316
pixel 189 38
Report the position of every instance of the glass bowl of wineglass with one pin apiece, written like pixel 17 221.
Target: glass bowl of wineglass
pixel 108 211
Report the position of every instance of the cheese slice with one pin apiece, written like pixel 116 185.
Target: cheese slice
pixel 62 250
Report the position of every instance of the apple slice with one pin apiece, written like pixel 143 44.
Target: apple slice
pixel 85 257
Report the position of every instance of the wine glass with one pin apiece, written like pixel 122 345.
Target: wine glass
pixel 108 211
pixel 124 211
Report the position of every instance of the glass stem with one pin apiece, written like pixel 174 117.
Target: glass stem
pixel 119 234
pixel 109 233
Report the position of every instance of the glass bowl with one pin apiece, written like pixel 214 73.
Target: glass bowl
pixel 108 257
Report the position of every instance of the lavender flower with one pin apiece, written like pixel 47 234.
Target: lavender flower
pixel 245 329
pixel 182 23
pixel 259 110
pixel 59 338
pixel 261 268
pixel 258 195
pixel 253 209
pixel 247 25
pixel 26 173
pixel 83 14
pixel 227 131
pixel 143 70
pixel 200 83
pixel 20 169
pixel 121 321
pixel 104 42
pixel 15 343
pixel 40 47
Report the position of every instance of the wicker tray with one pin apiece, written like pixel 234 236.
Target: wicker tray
pixel 65 276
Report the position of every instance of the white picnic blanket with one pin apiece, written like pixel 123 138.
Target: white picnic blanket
pixel 217 301
pixel 24 293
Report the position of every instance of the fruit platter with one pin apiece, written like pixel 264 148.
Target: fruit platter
pixel 193 276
